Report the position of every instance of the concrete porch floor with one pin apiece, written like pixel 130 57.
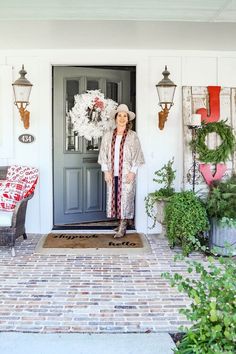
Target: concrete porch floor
pixel 86 343
pixel 89 294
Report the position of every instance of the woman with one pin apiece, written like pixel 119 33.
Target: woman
pixel 120 156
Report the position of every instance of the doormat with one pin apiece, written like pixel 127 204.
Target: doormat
pixel 87 243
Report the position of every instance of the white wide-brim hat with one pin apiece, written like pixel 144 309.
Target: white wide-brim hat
pixel 122 108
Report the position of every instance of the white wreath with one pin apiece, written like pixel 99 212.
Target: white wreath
pixel 91 114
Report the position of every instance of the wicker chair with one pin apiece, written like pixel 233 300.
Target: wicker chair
pixel 13 224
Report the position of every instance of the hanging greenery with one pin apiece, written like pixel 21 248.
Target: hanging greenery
pixel 220 153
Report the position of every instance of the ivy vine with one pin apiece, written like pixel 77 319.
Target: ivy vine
pixel 222 152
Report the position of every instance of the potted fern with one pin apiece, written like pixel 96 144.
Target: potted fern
pixel 221 209
pixel 156 201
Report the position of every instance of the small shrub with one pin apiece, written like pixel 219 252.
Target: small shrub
pixel 213 309
pixel 165 176
pixel 221 202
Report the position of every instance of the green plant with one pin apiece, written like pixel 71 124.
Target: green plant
pixel 165 176
pixel 186 220
pixel 213 307
pixel 221 202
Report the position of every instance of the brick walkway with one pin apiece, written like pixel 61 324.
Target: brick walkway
pixel 111 294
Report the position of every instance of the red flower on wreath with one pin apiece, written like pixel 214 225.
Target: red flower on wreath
pixel 98 104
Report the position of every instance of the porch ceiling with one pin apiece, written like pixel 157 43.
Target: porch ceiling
pixel 137 10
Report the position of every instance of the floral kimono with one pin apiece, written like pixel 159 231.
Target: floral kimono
pixel 130 156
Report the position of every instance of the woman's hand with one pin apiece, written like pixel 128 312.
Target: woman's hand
pixel 130 177
pixel 108 177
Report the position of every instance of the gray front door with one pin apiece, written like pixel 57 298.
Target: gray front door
pixel 79 188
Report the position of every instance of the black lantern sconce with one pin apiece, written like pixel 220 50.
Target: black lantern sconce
pixel 22 88
pixel 166 91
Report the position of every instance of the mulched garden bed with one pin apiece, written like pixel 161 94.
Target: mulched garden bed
pixel 177 337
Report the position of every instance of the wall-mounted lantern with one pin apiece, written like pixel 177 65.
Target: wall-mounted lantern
pixel 166 91
pixel 22 88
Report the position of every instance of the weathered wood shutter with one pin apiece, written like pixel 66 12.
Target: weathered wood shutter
pixel 195 97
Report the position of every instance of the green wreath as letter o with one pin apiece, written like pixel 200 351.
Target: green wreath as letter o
pixel 223 151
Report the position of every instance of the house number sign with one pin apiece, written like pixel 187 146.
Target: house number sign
pixel 26 138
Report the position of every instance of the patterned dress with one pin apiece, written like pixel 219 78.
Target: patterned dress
pixel 131 156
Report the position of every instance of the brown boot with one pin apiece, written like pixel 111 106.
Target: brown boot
pixel 117 227
pixel 130 223
pixel 122 229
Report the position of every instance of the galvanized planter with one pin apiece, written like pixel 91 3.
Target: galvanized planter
pixel 220 236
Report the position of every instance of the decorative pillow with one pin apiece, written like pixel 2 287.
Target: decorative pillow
pixel 24 173
pixel 2 185
pixel 11 192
